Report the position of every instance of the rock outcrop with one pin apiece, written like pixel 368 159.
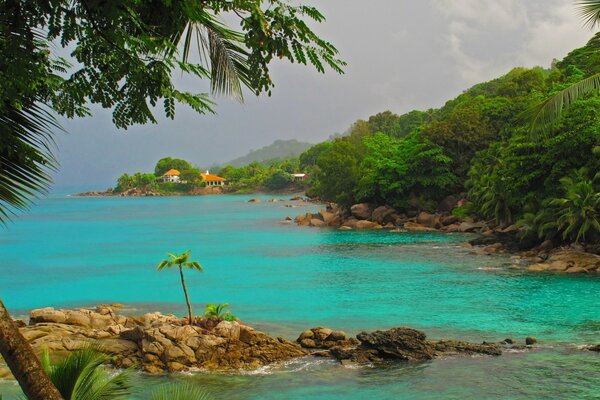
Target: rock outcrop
pixel 407 344
pixel 158 343
pixel 568 260
pixel 324 338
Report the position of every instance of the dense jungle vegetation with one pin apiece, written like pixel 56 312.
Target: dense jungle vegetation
pixel 479 146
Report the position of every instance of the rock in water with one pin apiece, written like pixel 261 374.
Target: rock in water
pixel 407 344
pixel 530 340
pixel 398 343
pixel 157 343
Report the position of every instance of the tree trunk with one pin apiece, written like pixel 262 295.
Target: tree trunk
pixel 22 361
pixel 187 299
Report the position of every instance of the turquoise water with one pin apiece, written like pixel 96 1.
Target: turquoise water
pixel 283 279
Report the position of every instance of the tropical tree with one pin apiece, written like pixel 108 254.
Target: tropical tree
pixel 167 163
pixel 22 361
pixel 126 53
pixel 191 175
pixel 182 261
pixel 549 111
pixel 578 209
pixel 81 376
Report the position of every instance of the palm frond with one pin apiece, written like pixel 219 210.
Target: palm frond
pixel 220 50
pixel 26 156
pixel 589 11
pixel 81 376
pixel 163 264
pixel 180 391
pixel 194 265
pixel 545 114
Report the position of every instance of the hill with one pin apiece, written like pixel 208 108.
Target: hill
pixel 278 150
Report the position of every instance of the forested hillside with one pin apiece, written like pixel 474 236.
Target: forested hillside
pixel 276 151
pixel 479 146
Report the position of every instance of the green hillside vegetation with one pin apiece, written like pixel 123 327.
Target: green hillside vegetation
pixel 277 151
pixel 479 146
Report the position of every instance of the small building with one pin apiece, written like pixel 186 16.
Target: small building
pixel 171 175
pixel 299 177
pixel 212 179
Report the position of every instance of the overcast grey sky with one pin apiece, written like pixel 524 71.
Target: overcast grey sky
pixel 401 54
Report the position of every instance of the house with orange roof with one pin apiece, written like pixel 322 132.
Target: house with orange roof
pixel 212 179
pixel 171 175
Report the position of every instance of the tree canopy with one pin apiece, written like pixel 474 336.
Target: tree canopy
pixel 123 55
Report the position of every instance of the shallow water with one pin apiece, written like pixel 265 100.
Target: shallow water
pixel 283 279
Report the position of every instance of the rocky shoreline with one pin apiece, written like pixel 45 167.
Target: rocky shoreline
pixel 150 192
pixel 157 344
pixel 492 238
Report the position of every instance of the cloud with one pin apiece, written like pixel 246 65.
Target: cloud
pixel 485 38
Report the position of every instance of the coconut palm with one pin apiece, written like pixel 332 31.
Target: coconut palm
pixel 578 210
pixel 182 261
pixel 22 361
pixel 81 376
pixel 546 113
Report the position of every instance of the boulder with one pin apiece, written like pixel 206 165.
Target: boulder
pixel 593 347
pixel 328 217
pixel 406 344
pixel 471 226
pixel 384 214
pixel 413 226
pixel 47 314
pixel 363 224
pixel 576 270
pixel 228 329
pixel 303 219
pixel 538 267
pixel 324 338
pixel 448 220
pixel 398 343
pixel 530 340
pixel 361 211
pixel 558 266
pixel 429 220
pixel 546 246
pixel 317 222
pixel 449 203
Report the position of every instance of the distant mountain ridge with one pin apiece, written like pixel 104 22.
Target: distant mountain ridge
pixel 278 150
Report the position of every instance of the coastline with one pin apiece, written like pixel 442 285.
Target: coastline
pixel 493 239
pixel 158 344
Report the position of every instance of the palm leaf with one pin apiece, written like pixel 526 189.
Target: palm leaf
pixel 179 391
pixel 545 114
pixel 589 11
pixel 81 376
pixel 219 50
pixel 26 156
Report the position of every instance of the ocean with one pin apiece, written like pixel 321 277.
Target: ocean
pixel 283 279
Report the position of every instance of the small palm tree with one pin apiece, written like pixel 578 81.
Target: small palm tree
pixel 80 376
pixel 219 311
pixel 181 261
